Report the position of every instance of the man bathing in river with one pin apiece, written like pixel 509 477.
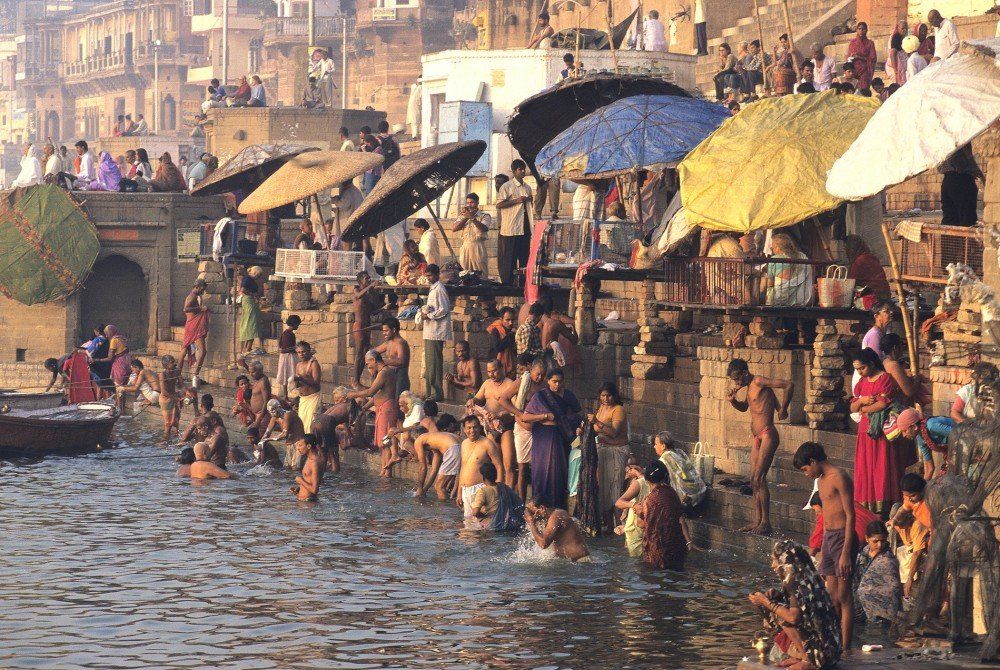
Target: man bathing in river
pixel 168 380
pixel 202 468
pixel 208 427
pixel 260 394
pixel 556 528
pixel 308 379
pixel 466 376
pixel 445 450
pixel 836 495
pixel 476 450
pixel 395 353
pixel 291 431
pixel 384 403
pixel 495 395
pixel 762 404
pixel 195 329
pixel 306 487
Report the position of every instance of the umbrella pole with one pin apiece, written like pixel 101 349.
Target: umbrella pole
pixel 911 344
pixel 434 216
pixel 611 40
pixel 760 38
pixel 791 39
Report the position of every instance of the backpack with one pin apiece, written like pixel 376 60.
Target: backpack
pixel 390 150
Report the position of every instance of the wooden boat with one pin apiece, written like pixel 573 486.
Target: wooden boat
pixel 71 428
pixel 16 400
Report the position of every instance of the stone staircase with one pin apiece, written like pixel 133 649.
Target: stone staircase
pixel 812 21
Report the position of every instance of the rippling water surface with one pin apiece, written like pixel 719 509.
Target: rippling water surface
pixel 113 562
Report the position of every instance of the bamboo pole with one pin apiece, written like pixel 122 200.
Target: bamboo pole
pixel 611 39
pixel 791 38
pixel 911 344
pixel 763 53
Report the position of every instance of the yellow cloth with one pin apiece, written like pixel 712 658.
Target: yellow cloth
pixel 633 534
pixel 766 167
pixel 309 406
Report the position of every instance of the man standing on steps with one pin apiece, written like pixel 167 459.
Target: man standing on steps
pixel 395 352
pixel 762 403
pixel 195 330
pixel 308 379
pixel 260 395
pixel 435 317
pixel 514 208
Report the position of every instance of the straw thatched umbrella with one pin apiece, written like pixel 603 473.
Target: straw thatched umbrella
pixel 306 175
pixel 538 119
pixel 412 183
pixel 249 168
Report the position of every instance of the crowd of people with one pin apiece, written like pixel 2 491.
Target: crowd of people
pixel 740 77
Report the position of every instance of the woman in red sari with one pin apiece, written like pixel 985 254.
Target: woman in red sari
pixel 665 541
pixel 877 464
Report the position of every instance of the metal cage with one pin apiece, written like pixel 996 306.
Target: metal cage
pixel 927 261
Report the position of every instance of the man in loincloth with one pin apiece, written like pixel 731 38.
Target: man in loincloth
pixel 445 449
pixel 836 494
pixel 762 404
pixel 260 394
pixel 466 377
pixel 557 336
pixel 308 379
pixel 384 404
pixel 168 380
pixel 555 528
pixel 531 380
pixel 291 431
pixel 195 330
pixel 477 449
pixel 395 351
pixel 203 468
pixel 366 305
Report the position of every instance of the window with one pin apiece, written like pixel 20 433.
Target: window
pixel 20 355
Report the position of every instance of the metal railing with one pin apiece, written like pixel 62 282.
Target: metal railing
pixel 116 60
pixel 927 261
pixel 298 27
pixel 571 242
pixel 250 239
pixel 736 282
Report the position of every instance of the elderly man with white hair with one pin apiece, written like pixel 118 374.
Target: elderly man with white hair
pixel 291 431
pixel 325 426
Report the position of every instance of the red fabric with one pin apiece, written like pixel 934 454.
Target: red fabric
pixel 868 271
pixel 81 386
pixel 862 517
pixel 386 417
pixel 195 328
pixel 531 276
pixel 878 465
pixel 244 415
pixel 862 50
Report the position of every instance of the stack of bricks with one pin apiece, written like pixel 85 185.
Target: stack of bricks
pixel 763 335
pixel 216 285
pixel 825 408
pixel 653 357
pixel 967 328
pixel 296 296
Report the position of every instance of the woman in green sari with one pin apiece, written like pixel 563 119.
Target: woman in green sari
pixel 637 490
pixel 249 323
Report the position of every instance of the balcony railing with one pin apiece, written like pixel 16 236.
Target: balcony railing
pixel 927 261
pixel 326 27
pixel 117 60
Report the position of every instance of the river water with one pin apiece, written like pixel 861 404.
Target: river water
pixel 110 561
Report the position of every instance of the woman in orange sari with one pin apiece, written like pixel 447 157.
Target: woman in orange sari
pixel 411 264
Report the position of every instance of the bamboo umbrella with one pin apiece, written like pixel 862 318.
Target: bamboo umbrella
pixel 249 168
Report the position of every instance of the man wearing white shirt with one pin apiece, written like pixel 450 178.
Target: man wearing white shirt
pixel 945 36
pixel 435 317
pixel 653 33
pixel 514 208
pixel 428 243
pixel 87 173
pixel 198 171
pixel 915 62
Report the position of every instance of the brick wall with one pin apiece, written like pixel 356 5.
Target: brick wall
pixel 41 330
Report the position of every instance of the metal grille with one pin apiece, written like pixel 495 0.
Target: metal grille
pixel 334 267
pixel 721 282
pixel 927 260
pixel 575 242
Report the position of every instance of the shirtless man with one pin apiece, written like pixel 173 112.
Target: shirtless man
pixel 384 403
pixel 552 326
pixel 306 487
pixel 366 305
pixel 762 403
pixel 395 352
pixel 325 426
pixel 476 450
pixel 208 427
pixel 308 380
pixel 202 468
pixel 529 382
pixel 194 308
pixel 492 395
pixel 836 494
pixel 291 431
pixel 558 530
pixel 143 383
pixel 466 376
pixel 445 450
pixel 167 380
pixel 260 395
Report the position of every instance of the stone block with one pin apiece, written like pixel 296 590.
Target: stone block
pixel 210 266
pixel 652 370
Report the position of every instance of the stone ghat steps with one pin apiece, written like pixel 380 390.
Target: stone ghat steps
pixel 745 546
pixel 734 509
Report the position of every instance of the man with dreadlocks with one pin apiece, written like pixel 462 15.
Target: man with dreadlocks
pixel 802 610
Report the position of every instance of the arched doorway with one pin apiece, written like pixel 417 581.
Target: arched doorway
pixel 52 128
pixel 116 292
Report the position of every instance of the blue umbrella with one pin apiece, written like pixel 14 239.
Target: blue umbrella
pixel 635 133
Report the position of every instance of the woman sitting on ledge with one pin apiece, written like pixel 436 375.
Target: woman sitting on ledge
pixel 168 179
pixel 788 284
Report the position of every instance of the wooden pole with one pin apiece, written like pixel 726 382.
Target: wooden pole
pixel 611 39
pixel 911 344
pixel 434 216
pixel 236 278
pixel 791 39
pixel 763 54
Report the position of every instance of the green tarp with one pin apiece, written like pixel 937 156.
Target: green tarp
pixel 47 244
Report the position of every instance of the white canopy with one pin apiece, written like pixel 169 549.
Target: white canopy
pixel 930 117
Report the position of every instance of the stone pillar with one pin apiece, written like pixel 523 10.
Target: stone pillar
pixel 824 406
pixel 584 316
pixel 654 355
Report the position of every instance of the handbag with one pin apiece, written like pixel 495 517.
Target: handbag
pixel 835 289
pixel 705 463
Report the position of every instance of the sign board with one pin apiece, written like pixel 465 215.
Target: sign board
pixel 188 245
pixel 383 14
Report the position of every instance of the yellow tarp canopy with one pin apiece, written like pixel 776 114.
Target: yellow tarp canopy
pixel 766 167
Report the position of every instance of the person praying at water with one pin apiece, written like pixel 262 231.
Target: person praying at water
pixel 382 392
pixel 444 449
pixel 203 468
pixel 477 449
pixel 555 528
pixel 291 431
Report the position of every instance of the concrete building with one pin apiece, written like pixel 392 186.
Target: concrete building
pixel 242 25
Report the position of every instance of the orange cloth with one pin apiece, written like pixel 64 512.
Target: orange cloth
pixel 386 417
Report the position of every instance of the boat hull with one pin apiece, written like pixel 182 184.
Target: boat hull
pixel 36 433
pixel 30 401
